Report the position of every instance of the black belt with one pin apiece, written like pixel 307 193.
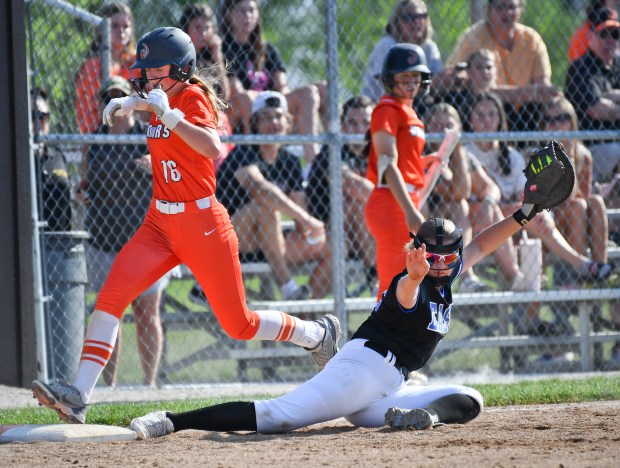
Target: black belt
pixel 383 351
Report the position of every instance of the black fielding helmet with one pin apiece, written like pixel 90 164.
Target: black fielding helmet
pixel 404 57
pixel 432 233
pixel 164 46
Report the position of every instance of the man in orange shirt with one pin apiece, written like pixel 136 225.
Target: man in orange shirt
pixel 580 41
pixel 521 55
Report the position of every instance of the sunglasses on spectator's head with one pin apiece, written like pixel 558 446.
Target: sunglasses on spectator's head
pixel 411 17
pixel 610 33
pixel 550 119
pixel 450 259
pixel 38 115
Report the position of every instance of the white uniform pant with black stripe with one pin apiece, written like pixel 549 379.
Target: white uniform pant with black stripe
pixel 358 384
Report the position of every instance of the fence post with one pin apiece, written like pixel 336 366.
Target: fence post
pixel 585 343
pixel 335 168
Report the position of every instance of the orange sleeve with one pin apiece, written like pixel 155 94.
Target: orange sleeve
pixel 386 118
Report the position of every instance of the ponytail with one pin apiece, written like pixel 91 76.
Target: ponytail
pixel 216 102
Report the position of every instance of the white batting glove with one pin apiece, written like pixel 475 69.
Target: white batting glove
pixel 158 100
pixel 122 106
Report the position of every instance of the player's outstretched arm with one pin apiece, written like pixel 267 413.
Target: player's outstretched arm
pixel 550 180
pixel 489 240
pixel 417 269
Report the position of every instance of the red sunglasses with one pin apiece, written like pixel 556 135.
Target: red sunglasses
pixel 450 259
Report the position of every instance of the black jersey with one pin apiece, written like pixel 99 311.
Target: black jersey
pixel 411 334
pixel 285 172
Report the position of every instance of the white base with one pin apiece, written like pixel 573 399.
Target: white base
pixel 65 433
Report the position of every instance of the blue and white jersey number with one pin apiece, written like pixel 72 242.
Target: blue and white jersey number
pixel 440 319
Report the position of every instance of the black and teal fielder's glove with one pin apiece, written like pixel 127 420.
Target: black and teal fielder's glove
pixel 550 180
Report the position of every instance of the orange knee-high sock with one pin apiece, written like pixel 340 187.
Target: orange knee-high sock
pixel 278 326
pixel 98 346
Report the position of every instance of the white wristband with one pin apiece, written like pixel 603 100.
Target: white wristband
pixel 171 118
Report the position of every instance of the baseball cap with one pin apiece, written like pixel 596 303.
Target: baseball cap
pixel 115 82
pixel 604 19
pixel 269 99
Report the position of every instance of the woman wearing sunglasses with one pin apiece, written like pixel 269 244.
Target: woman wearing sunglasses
pixel 505 166
pixel 366 381
pixel 583 218
pixel 409 22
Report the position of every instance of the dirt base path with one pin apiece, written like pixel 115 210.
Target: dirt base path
pixel 571 435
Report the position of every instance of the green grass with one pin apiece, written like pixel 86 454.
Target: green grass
pixel 522 393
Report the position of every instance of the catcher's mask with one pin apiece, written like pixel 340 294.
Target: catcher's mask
pixel 161 47
pixel 432 232
pixel 405 57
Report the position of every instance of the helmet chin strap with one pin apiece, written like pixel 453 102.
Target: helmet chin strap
pixel 139 84
pixel 440 280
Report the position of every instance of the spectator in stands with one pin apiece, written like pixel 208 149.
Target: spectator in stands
pixel 122 53
pixel 198 21
pixel 482 78
pixel 409 22
pixel 53 186
pixel 259 184
pixel 580 40
pixel 582 218
pixel 521 57
pixel 354 119
pixel 255 65
pixel 593 87
pixel 118 188
pixel 471 197
pixel 505 166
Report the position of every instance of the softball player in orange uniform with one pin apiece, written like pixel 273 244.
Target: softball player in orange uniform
pixel 395 159
pixel 184 224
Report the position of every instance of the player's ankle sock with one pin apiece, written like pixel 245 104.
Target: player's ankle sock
pixel 233 416
pixel 278 326
pixel 98 346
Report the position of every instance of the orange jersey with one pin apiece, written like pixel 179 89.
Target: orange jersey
pixel 401 121
pixel 179 173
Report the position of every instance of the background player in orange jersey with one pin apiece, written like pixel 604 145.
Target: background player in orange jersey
pixel 395 159
pixel 184 224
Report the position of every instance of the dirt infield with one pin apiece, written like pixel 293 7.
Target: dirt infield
pixel 552 435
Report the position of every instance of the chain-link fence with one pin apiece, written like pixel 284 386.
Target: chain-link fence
pixel 504 91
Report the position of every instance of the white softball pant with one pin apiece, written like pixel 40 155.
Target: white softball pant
pixel 358 384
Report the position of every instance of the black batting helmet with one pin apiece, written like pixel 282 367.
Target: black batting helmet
pixel 404 57
pixel 164 46
pixel 441 236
